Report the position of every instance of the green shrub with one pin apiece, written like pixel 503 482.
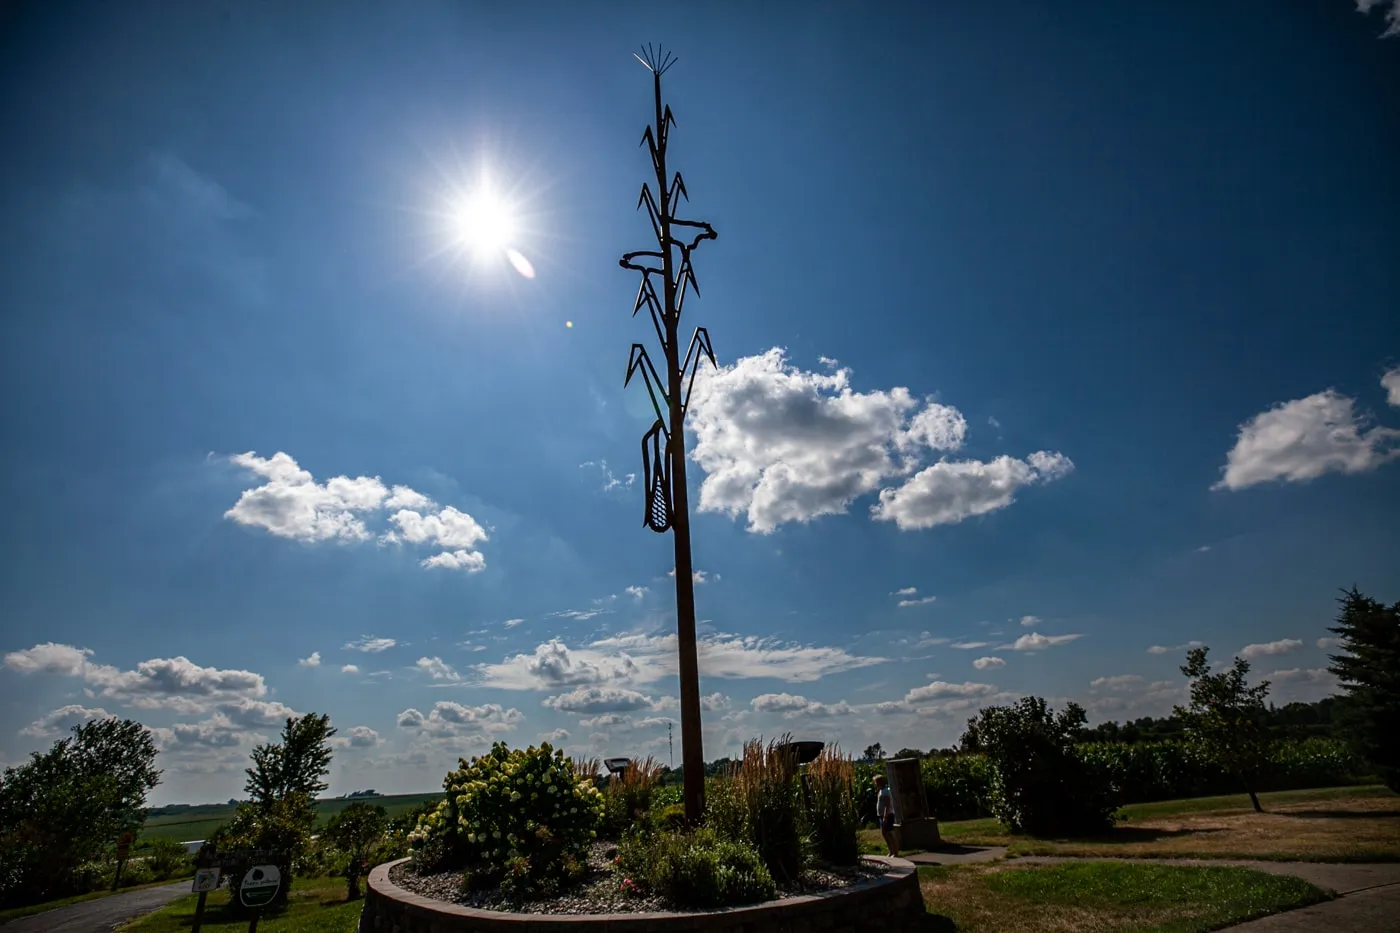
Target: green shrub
pixel 669 818
pixel 167 858
pixel 1040 783
pixel 699 869
pixel 957 786
pixel 518 817
pixel 829 785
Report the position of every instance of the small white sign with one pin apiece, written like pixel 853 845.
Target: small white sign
pixel 205 879
pixel 260 885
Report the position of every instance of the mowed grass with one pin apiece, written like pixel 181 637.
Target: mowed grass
pixel 200 822
pixel 1103 896
pixel 316 905
pixel 1337 824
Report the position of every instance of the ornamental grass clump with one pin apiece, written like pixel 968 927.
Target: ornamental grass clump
pixel 520 818
pixel 832 810
pixel 771 800
pixel 628 797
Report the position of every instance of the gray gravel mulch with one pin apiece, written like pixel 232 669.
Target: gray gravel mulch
pixel 600 891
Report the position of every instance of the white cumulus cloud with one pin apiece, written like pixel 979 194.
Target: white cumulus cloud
pixel 791 706
pixel 1391 9
pixel 1265 649
pixel 453 720
pixel 62 720
pixel 291 504
pixel 595 699
pixel 313 660
pixel 953 490
pixel 1303 439
pixel 984 663
pixel 1391 380
pixel 363 737
pixel 438 669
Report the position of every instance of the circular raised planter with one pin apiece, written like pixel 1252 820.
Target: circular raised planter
pixel 890 903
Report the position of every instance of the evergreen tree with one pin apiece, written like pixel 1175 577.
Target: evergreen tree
pixel 1369 671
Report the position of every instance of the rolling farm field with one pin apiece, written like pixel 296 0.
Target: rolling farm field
pixel 188 823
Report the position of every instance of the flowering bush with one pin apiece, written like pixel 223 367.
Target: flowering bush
pixel 518 817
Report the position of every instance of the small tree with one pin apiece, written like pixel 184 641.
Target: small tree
pixel 65 806
pixel 295 765
pixel 1227 718
pixel 282 784
pixel 873 753
pixel 1369 669
pixel 909 753
pixel 356 831
pixel 1039 782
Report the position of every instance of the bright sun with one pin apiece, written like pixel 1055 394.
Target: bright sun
pixel 484 223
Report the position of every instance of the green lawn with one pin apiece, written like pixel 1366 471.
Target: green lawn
pixel 316 905
pixel 1334 824
pixel 1120 896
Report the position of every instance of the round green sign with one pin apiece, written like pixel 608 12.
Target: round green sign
pixel 260 885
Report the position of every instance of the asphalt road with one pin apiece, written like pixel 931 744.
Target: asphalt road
pixel 100 915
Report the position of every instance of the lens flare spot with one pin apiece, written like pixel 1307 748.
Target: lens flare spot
pixel 521 264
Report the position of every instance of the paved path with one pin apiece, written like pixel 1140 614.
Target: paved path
pixel 99 915
pixel 1368 898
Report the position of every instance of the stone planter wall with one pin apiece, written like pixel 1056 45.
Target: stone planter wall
pixel 891 903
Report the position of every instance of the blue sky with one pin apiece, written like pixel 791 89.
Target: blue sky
pixel 1051 341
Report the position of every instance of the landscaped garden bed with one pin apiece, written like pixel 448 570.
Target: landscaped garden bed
pixel 600 891
pixel 529 836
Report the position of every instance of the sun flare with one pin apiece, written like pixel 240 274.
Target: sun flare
pixel 484 223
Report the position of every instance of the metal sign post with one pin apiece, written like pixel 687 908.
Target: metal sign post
pixel 258 889
pixel 123 850
pixel 205 880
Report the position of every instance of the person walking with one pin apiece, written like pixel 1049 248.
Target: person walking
pixel 884 810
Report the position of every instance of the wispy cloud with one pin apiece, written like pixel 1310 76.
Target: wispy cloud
pixel 1035 641
pixel 610 481
pixel 1168 649
pixel 370 644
